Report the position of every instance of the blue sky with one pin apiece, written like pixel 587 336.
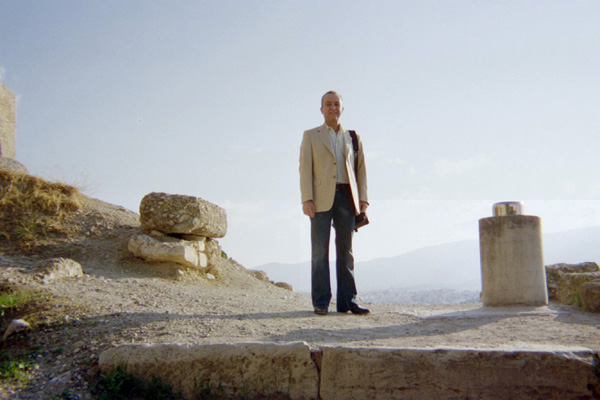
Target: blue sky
pixel 460 104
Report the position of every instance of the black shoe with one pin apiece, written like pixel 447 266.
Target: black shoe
pixel 320 310
pixel 359 311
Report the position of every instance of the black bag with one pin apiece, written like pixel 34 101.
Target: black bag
pixel 361 219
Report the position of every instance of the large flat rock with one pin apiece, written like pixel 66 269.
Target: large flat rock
pixel 387 373
pixel 180 214
pixel 248 369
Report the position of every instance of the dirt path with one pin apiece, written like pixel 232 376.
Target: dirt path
pixel 122 300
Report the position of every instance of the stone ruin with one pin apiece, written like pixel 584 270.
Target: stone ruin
pixel 7 123
pixel 179 229
pixel 575 284
pixel 329 372
pixel 8 133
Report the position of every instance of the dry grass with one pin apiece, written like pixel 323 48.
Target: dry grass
pixel 22 303
pixel 33 210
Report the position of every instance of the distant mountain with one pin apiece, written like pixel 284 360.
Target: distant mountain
pixel 453 266
pixel 572 246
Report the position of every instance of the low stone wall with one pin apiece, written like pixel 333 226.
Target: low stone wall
pixel 249 369
pixel 262 369
pixel 366 373
pixel 575 284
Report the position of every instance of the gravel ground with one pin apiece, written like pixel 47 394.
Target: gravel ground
pixel 123 300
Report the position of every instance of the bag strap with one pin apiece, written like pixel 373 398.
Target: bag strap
pixel 355 147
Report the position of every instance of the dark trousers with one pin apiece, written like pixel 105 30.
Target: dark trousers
pixel 342 217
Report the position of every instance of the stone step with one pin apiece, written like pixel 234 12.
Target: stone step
pixel 329 372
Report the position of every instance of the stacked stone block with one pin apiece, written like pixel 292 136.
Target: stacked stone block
pixel 179 229
pixel 575 284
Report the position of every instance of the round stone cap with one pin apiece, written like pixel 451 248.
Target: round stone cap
pixel 508 208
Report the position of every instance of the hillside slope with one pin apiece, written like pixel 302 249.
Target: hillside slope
pixel 123 300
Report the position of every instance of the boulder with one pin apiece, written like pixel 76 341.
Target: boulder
pixel 590 295
pixel 57 268
pixel 569 286
pixel 284 285
pixel 554 273
pixel 260 275
pixel 16 325
pixel 213 252
pixel 247 370
pixel 12 165
pixel 168 249
pixel 179 214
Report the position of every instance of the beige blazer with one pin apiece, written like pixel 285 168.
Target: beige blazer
pixel 318 171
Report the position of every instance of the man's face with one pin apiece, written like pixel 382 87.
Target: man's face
pixel 332 108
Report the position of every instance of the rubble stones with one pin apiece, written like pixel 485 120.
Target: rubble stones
pixel 260 275
pixel 180 214
pixel 58 268
pixel 555 272
pixel 575 284
pixel 284 285
pixel 590 296
pixel 570 284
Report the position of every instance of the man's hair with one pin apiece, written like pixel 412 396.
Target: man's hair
pixel 331 92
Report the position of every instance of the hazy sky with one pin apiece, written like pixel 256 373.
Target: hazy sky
pixel 460 104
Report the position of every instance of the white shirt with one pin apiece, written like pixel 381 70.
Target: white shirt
pixel 338 143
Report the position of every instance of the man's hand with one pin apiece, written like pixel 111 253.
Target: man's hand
pixel 308 208
pixel 363 206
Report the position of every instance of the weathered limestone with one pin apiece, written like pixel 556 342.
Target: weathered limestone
pixel 385 373
pixel 248 369
pixel 556 272
pixel 181 230
pixel 213 251
pixel 570 284
pixel 512 262
pixel 260 275
pixel 284 285
pixel 361 373
pixel 58 268
pixel 189 253
pixel 179 214
pixel 8 112
pixel 575 284
pixel 590 296
pixel 11 165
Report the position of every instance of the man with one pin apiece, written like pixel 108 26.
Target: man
pixel 332 191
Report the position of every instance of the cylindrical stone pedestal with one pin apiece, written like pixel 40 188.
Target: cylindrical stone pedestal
pixel 512 261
